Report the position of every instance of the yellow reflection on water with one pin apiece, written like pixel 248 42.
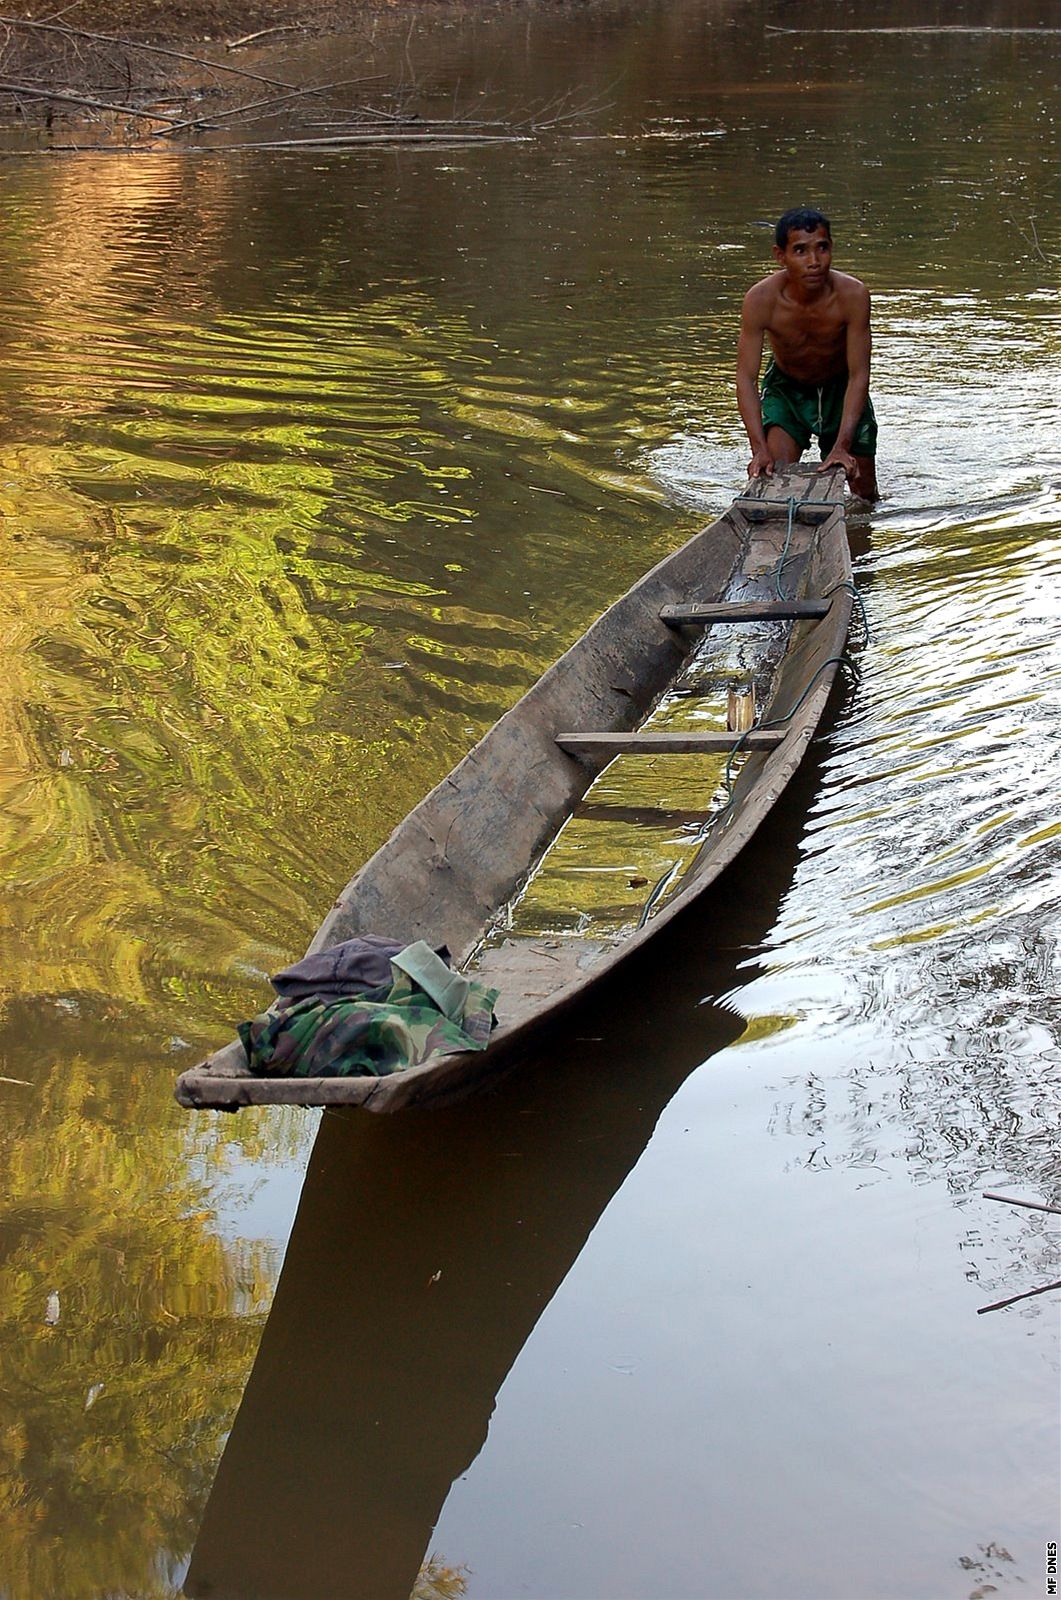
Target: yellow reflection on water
pixel 641 821
pixel 127 1325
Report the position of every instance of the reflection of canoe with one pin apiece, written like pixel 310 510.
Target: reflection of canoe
pixel 383 1354
pixel 426 1249
pixel 777 565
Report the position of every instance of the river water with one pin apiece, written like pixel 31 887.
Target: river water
pixel 309 464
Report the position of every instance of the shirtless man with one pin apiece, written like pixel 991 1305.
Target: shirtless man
pixel 817 380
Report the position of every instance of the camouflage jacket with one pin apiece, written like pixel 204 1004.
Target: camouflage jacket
pixel 427 1009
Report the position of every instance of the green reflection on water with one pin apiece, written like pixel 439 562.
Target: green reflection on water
pixel 127 1325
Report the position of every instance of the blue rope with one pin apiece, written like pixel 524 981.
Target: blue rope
pixel 846 666
pixel 793 505
pixel 847 585
pixel 657 893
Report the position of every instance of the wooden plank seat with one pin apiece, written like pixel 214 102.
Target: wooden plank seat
pixel 754 510
pixel 744 611
pixel 648 743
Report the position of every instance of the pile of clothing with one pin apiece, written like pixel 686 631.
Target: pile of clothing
pixel 366 1008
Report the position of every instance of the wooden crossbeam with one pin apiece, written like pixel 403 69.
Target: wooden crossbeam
pixel 648 743
pixel 745 611
pixel 658 815
pixel 773 510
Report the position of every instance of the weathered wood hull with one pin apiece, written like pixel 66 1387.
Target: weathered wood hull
pixel 465 850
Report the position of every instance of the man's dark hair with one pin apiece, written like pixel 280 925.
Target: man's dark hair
pixel 803 219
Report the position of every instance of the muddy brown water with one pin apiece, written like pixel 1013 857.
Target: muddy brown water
pixel 309 464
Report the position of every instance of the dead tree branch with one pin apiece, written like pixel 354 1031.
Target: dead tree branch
pixel 1031 1205
pixel 136 44
pixel 1029 1294
pixel 85 100
pixel 269 104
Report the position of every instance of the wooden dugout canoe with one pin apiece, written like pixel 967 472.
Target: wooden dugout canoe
pixel 778 556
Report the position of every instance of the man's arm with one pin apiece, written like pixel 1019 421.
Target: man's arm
pixel 859 345
pixel 749 360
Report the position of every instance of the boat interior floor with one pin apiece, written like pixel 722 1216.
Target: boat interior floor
pixel 528 971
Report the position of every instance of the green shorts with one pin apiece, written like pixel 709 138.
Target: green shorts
pixel 803 409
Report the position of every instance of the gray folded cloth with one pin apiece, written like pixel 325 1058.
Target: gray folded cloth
pixel 353 967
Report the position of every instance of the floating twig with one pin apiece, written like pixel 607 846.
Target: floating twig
pixel 1012 1301
pixel 264 33
pixel 1034 240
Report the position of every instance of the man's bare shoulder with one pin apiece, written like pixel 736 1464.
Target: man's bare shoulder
pixel 852 291
pixel 761 298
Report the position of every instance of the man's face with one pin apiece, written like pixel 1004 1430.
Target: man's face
pixel 806 257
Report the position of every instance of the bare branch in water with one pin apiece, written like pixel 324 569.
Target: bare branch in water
pixel 943 27
pixel 50 64
pixel 264 33
pixel 1011 1200
pixel 388 136
pixel 1028 1294
pixel 268 104
pixel 85 100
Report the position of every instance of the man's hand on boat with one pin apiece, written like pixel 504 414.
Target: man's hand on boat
pixel 839 457
pixel 762 463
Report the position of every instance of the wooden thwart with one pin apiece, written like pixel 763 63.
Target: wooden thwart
pixel 745 611
pixel 771 510
pixel 648 743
